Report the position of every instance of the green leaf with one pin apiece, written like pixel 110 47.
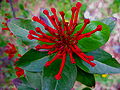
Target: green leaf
pixel 105 64
pixel 25 85
pixel 34 79
pixel 111 22
pixel 32 58
pixel 25 88
pixel 96 40
pixel 21 50
pixel 23 23
pixel 20 28
pixel 68 76
pixel 85 78
pixel 26 13
pixel 37 65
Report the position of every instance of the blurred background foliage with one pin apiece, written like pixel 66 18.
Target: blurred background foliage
pixel 92 9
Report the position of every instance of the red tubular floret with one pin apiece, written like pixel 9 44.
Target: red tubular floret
pixel 99 28
pixel 46 12
pixel 30 37
pixel 58 76
pixel 32 32
pixel 78 4
pixel 53 10
pixel 73 9
pixel 86 21
pixel 48 63
pixel 37 47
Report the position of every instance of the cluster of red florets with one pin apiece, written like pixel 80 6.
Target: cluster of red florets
pixel 19 71
pixel 11 51
pixel 62 37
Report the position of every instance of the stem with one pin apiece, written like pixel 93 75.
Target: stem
pixel 12 9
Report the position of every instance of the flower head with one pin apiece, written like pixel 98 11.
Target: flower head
pixel 62 37
pixel 10 50
pixel 19 71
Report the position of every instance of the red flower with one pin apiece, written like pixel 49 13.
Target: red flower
pixel 63 39
pixel 19 71
pixel 10 50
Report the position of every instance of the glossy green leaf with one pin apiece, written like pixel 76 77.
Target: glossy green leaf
pixel 68 76
pixel 96 40
pixel 105 64
pixel 111 22
pixel 34 79
pixel 21 50
pixel 37 65
pixel 85 78
pixel 23 23
pixel 20 27
pixel 25 88
pixel 25 85
pixel 27 61
pixel 26 13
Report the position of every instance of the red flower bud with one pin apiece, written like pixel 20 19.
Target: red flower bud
pixel 19 71
pixel 32 32
pixel 10 50
pixel 58 77
pixel 53 10
pixel 62 13
pixel 35 18
pixel 73 9
pixel 30 37
pixel 46 12
pixel 78 4
pixel 86 21
pixel 99 28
